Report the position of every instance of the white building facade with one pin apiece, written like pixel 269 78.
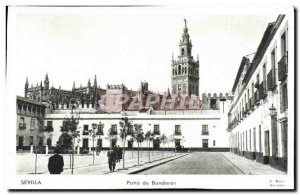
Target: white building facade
pixel 258 117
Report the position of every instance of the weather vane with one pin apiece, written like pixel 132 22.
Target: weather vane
pixel 185 22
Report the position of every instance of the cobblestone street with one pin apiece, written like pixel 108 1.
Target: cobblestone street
pixel 212 163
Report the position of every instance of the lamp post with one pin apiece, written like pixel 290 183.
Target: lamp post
pixel 100 130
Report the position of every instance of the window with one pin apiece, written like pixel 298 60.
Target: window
pixel 22 124
pixel 100 130
pixel 30 140
pixel 85 130
pixel 283 97
pixel 250 140
pixel 273 59
pixel 179 87
pixel 205 130
pixel 156 130
pixel 41 141
pixel 179 70
pixel 264 72
pixel 177 130
pixel 49 123
pixel 32 124
pixel 130 129
pixel 283 44
pixel 114 130
pixel 214 143
pixel 182 51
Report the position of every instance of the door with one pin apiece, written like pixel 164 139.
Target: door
pixel 129 143
pixel 85 143
pixel 21 140
pixel 205 143
pixel 113 143
pixel 267 144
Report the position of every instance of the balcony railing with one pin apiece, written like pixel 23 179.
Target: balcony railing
pixel 22 126
pixel 271 80
pixel 251 103
pixel 248 107
pixel 256 97
pixel 205 133
pixel 256 85
pixel 99 132
pixel 177 133
pixel 262 90
pixel 283 68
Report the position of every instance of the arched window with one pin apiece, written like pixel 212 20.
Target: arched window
pixel 185 70
pixel 182 51
pixel 179 70
pixel 173 72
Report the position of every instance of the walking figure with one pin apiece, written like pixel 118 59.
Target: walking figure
pixel 111 155
pixel 119 154
pixel 56 163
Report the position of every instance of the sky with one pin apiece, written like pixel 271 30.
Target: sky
pixel 127 45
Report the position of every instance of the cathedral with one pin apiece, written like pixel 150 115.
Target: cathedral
pixel 179 112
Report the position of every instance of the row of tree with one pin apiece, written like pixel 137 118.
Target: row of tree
pixel 128 132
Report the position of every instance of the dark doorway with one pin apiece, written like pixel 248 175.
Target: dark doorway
pixel 156 144
pixel 267 144
pixel 49 142
pixel 177 143
pixel 113 143
pixel 205 143
pixel 129 143
pixel 85 144
pixel 21 140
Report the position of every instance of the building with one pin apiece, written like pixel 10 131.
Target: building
pixel 180 116
pixel 258 116
pixel 185 70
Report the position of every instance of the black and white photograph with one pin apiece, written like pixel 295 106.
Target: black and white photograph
pixel 150 97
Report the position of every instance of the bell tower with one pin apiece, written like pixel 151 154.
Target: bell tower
pixel 185 70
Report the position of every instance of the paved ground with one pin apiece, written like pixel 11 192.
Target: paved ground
pixel 202 163
pixel 212 163
pixel 84 163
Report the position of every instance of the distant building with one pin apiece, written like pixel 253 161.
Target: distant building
pixel 180 115
pixel 258 117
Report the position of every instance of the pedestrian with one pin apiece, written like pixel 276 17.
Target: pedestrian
pixel 111 155
pixel 119 154
pixel 56 163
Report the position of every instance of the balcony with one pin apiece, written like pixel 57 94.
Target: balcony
pixel 99 132
pixel 248 107
pixel 232 124
pixel 251 103
pixel 22 126
pixel 262 90
pixel 283 68
pixel 256 85
pixel 256 98
pixel 205 133
pixel 271 80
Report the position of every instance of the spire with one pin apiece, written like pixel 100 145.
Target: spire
pixel 89 83
pixel 73 88
pixel 46 81
pixel 95 82
pixel 26 83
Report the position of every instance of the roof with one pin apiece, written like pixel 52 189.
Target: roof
pixel 31 101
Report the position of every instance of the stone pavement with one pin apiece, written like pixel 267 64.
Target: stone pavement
pixel 250 167
pixel 84 162
pixel 212 163
pixel 131 165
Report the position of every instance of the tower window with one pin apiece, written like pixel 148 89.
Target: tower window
pixel 179 70
pixel 185 70
pixel 182 51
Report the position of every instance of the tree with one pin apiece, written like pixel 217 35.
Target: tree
pixel 38 131
pixel 125 131
pixel 171 139
pixel 92 133
pixel 139 137
pixel 149 137
pixel 163 140
pixel 70 127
